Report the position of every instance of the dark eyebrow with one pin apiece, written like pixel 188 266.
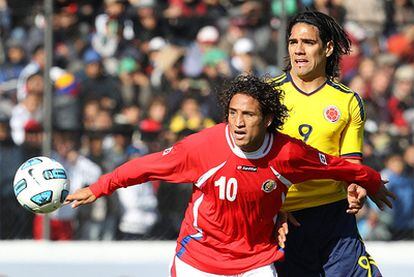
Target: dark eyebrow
pixel 306 40
pixel 309 40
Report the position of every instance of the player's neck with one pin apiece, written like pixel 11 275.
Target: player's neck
pixel 308 84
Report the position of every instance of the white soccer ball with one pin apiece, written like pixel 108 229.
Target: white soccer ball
pixel 41 185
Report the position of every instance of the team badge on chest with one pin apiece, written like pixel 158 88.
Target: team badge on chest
pixel 332 114
pixel 269 186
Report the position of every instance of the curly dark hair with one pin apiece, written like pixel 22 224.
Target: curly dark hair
pixel 329 30
pixel 264 90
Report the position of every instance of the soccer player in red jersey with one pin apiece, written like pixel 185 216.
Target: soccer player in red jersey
pixel 241 171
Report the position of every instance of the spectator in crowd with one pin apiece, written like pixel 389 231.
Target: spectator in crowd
pixel 402 185
pixel 66 101
pixel 5 22
pixel 147 23
pixel 169 62
pixel 401 102
pixel 216 72
pixel 15 61
pixel 130 114
pixel 30 108
pixel 68 35
pixel 371 224
pixel 35 66
pixel 110 29
pixel 138 206
pixel 81 172
pixel 97 85
pixel 207 38
pixel 399 14
pixel 376 102
pixel 331 8
pixel 402 43
pixel 185 18
pixel 33 139
pixel 135 84
pixel 154 69
pixel 189 116
pixel 369 14
pixel 15 222
pixel 244 58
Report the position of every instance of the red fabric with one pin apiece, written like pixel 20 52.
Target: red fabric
pixel 396 112
pixel 59 229
pixel 187 10
pixel 150 125
pixel 33 125
pixel 173 271
pixel 399 45
pixel 229 222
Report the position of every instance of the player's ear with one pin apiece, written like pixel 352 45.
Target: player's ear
pixel 268 120
pixel 329 48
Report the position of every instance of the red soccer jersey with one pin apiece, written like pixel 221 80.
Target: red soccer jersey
pixel 229 223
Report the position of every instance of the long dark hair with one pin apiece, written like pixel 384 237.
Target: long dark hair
pixel 329 30
pixel 263 90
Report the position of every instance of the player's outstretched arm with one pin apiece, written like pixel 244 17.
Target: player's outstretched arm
pixel 80 197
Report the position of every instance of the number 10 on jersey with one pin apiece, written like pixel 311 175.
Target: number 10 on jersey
pixel 227 188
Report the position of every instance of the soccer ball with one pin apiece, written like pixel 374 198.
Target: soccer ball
pixel 41 185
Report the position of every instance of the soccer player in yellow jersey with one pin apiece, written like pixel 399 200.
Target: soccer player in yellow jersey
pixel 330 117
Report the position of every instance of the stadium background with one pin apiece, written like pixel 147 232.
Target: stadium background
pixel 131 77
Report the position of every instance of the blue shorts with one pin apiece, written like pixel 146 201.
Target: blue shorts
pixel 326 244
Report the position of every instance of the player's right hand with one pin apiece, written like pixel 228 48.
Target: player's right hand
pixel 356 196
pixel 80 197
pixel 382 196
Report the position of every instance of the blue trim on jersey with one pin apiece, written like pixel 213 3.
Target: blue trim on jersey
pixel 183 243
pixel 339 86
pixel 361 106
pixel 355 154
pixel 345 89
pixel 281 79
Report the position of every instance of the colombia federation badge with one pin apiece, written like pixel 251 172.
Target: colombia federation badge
pixel 332 114
pixel 269 185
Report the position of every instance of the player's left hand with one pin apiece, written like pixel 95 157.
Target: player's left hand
pixel 382 196
pixel 282 228
pixel 356 196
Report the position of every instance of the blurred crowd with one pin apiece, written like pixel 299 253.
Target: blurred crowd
pixel 132 77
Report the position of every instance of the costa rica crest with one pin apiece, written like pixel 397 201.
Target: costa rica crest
pixel 332 113
pixel 269 186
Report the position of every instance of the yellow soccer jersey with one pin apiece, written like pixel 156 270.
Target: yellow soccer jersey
pixel 330 119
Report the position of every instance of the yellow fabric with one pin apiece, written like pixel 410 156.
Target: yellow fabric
pixel 330 119
pixel 179 123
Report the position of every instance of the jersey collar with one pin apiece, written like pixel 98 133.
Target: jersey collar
pixel 259 153
pixel 289 78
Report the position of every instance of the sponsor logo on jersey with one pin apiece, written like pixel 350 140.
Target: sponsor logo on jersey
pixel 167 151
pixel 247 168
pixel 322 158
pixel 332 114
pixel 269 186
